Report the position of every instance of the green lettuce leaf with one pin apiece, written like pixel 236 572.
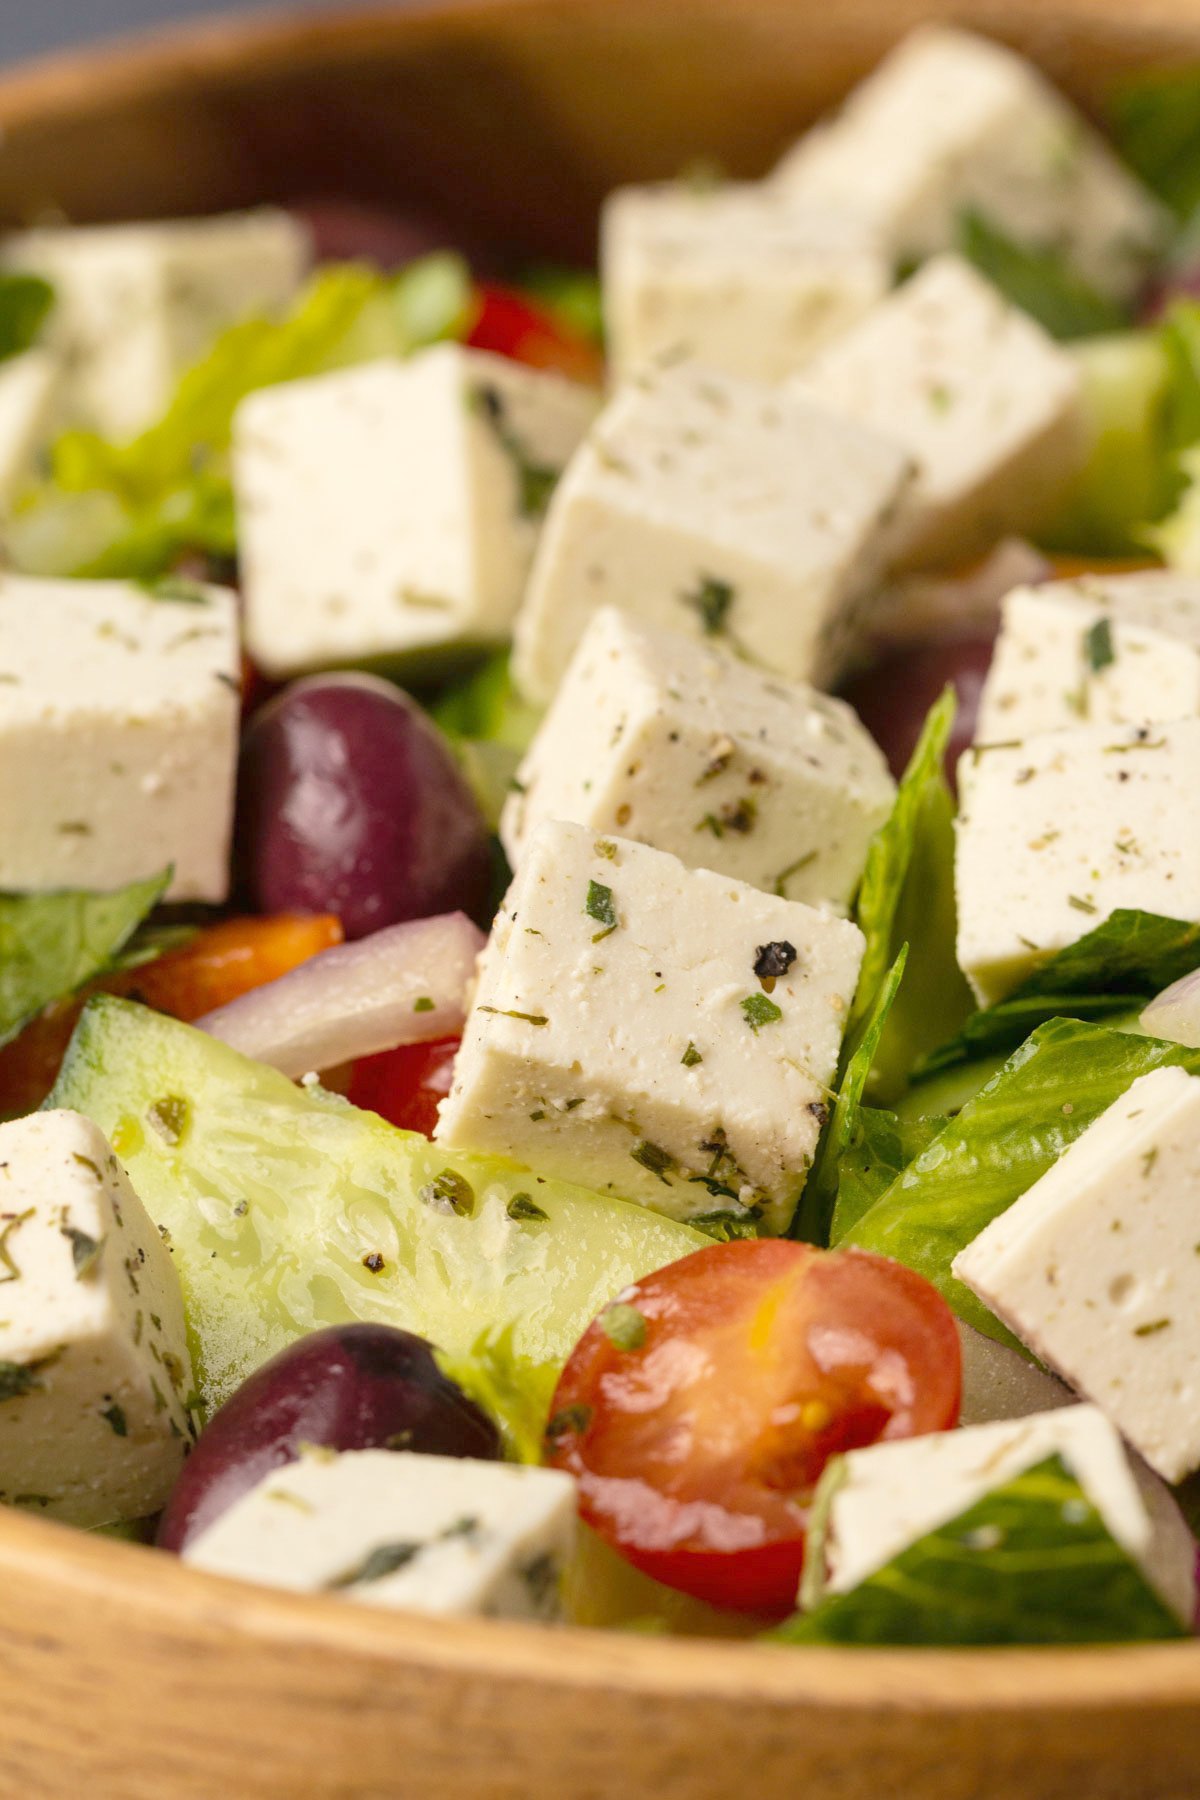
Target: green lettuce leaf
pixel 572 295
pixel 490 727
pixel 133 509
pixel 1030 1563
pixel 1154 118
pixel 25 303
pixel 1009 1134
pixel 1040 281
pixel 881 1145
pixel 815 1212
pixel 513 1391
pixel 1116 968
pixel 907 897
pixel 51 944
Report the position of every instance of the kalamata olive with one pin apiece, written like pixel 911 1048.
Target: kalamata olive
pixel 348 1387
pixel 893 698
pixel 350 802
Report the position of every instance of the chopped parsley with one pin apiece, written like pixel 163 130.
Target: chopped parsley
pixel 1098 646
pixel 449 1193
pixel 17 1379
pixel 601 906
pixel 623 1325
pixel 383 1560
pixel 535 481
pixel 115 1418
pixel 85 1251
pixel 423 1004
pixel 168 1117
pixel 760 1010
pixel 711 600
pixel 571 1418
pixel 691 1056
pixel 651 1157
pixel 7 1265
pixel 506 1013
pixel 523 1206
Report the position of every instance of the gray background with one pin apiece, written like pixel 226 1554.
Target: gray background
pixel 28 27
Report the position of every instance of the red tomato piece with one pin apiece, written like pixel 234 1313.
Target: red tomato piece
pixel 511 324
pixel 404 1086
pixel 698 1411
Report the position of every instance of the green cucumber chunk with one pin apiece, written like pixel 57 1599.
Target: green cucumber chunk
pixel 288 1209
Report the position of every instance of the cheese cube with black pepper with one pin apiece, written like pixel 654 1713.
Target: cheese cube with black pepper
pixel 94 1369
pixel 677 744
pixel 119 710
pixel 429 1534
pixel 732 274
pixel 664 1034
pixel 390 511
pixel 985 403
pixel 1060 830
pixel 1104 649
pixel 1095 1268
pixel 953 123
pixel 137 305
pixel 720 507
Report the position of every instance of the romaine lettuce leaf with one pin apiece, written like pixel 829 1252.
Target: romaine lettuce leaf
pixel 1040 281
pixel 1030 1563
pixel 1116 968
pixel 1008 1135
pixel 907 897
pixel 1154 117
pixel 814 1214
pixel 572 295
pixel 881 1145
pixel 51 944
pixel 489 727
pixel 133 509
pixel 25 302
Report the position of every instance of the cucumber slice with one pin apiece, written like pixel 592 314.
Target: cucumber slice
pixel 275 1200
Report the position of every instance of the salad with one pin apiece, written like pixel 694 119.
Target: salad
pixel 600 888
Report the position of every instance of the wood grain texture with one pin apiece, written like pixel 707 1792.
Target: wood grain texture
pixel 124 1675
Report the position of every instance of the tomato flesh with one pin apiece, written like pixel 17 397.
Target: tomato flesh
pixel 699 1410
pixel 404 1086
pixel 510 324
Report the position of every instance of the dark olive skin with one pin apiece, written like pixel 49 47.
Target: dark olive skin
pixel 893 697
pixel 348 1387
pixel 350 802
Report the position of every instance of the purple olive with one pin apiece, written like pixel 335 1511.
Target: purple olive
pixel 348 1387
pixel 893 698
pixel 350 802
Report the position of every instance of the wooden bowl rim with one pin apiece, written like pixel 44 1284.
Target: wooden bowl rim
pixel 165 1592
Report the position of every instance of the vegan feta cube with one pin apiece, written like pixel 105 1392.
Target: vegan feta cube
pixel 428 1534
pixel 676 744
pixel 29 392
pixel 136 305
pixel 94 1369
pixel 392 509
pixel 1096 1267
pixel 733 275
pixel 118 734
pixel 952 122
pixel 719 507
pixel 660 1033
pixel 1112 649
pixel 880 1500
pixel 985 403
pixel 1059 830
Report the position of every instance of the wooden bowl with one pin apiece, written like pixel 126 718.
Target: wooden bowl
pixel 126 1675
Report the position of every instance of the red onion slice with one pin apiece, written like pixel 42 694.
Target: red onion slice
pixel 402 985
pixel 1175 1013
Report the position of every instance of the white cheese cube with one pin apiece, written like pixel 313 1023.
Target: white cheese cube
pixel 428 1534
pixel 719 507
pixel 950 122
pixel 1096 1267
pixel 1062 829
pixel 675 744
pixel 137 305
pixel 29 390
pixel 884 1498
pixel 118 734
pixel 733 275
pixel 94 1369
pixel 660 1033
pixel 393 508
pixel 1111 649
pixel 985 403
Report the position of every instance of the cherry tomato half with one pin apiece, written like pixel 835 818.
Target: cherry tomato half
pixel 511 324
pixel 404 1086
pixel 699 1409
